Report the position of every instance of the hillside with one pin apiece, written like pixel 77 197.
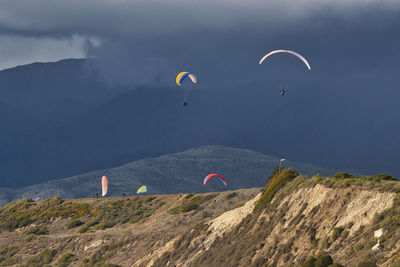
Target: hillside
pixel 169 174
pixel 294 221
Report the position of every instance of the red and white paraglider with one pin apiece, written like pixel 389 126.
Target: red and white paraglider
pixel 208 177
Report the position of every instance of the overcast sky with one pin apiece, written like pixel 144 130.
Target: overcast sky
pixel 351 45
pixel 150 41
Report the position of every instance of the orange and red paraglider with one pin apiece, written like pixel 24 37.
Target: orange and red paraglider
pixel 208 177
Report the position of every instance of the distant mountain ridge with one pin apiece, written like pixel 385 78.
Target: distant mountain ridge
pixel 169 174
pixel 60 119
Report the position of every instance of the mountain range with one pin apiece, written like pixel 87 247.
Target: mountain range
pixel 61 119
pixel 168 174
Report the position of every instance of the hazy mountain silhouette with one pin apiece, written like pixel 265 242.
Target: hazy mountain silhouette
pixel 61 119
pixel 172 173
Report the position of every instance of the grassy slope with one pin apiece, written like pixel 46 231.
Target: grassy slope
pixel 91 231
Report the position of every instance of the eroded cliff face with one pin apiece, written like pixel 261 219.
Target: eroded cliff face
pixel 303 218
pixel 291 219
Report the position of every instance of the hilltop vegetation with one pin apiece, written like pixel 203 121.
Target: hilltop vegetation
pixel 294 221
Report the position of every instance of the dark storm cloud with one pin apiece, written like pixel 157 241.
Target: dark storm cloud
pixel 149 41
pixel 342 113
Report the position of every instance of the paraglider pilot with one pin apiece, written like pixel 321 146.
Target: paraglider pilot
pixel 283 92
pixel 184 104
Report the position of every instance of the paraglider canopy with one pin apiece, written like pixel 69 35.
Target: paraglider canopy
pixel 104 185
pixel 142 189
pixel 181 76
pixel 208 177
pixel 286 51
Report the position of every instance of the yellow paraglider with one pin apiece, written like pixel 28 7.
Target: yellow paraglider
pixel 181 76
pixel 142 189
pixel 179 79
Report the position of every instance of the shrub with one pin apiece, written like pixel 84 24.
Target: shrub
pixel 276 183
pixel 191 204
pixel 343 175
pixel 310 262
pixel 159 205
pixel 87 226
pixel 42 259
pixel 189 196
pixel 383 177
pixel 336 232
pixel 7 257
pixel 66 260
pixel 323 260
pixel 150 199
pixel 74 223
pixel 100 226
pixel 231 195
pixel 29 238
pixel 38 230
pixel 9 251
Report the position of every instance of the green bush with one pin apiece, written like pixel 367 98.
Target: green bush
pixel 383 177
pixel 275 183
pixel 191 204
pixel 42 259
pixel 74 223
pixel 7 257
pixel 310 262
pixel 343 175
pixel 29 238
pixel 231 195
pixel 87 226
pixel 9 251
pixel 66 260
pixel 189 196
pixel 275 171
pixel 150 199
pixel 38 230
pixel 323 260
pixel 336 232
pixel 160 204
